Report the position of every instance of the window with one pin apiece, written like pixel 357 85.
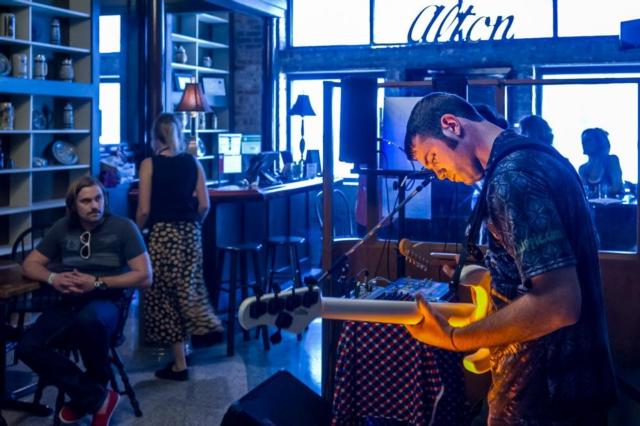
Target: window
pixel 330 22
pixel 110 108
pixel 109 35
pixel 613 107
pixel 111 79
pixel 313 126
pixel 594 18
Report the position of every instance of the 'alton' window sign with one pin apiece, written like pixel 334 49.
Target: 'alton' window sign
pixel 460 22
pixel 439 21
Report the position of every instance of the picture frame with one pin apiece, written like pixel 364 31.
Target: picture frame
pixel 214 86
pixel 180 80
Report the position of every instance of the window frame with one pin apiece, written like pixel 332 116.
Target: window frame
pixel 117 58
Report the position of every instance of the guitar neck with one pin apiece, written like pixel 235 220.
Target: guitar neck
pixel 386 311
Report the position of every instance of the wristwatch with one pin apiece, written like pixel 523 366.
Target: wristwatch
pixel 98 284
pixel 51 277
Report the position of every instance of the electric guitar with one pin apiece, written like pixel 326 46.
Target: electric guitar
pixel 293 309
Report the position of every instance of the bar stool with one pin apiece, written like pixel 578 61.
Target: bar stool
pixel 290 243
pixel 239 256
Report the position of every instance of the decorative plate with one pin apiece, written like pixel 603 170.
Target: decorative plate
pixel 5 65
pixel 64 153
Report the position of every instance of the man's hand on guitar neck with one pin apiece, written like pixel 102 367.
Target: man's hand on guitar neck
pixel 433 329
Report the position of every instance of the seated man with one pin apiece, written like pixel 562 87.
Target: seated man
pixel 89 257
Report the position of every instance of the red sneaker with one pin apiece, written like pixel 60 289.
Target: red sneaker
pixel 103 415
pixel 68 415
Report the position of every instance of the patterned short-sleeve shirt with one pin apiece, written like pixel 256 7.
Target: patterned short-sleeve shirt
pixel 538 220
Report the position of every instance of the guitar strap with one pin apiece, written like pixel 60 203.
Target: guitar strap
pixel 479 212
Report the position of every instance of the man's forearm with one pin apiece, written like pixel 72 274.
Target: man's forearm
pixel 35 271
pixel 535 314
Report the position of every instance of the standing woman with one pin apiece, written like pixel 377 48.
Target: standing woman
pixel 173 203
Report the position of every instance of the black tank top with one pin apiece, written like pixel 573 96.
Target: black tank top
pixel 173 183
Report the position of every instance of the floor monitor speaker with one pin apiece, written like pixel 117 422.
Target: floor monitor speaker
pixel 358 120
pixel 281 400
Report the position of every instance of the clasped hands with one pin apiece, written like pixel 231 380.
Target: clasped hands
pixel 73 282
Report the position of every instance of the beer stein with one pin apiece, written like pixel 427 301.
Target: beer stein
pixel 8 25
pixel 40 68
pixel 55 36
pixel 180 55
pixel 20 66
pixel 6 116
pixel 66 70
pixel 67 117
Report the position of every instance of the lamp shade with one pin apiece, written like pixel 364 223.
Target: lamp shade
pixel 302 107
pixel 193 99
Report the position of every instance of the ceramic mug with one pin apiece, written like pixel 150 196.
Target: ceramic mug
pixel 66 70
pixel 20 66
pixel 40 68
pixel 8 25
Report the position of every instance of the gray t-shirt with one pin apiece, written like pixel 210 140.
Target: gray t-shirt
pixel 110 246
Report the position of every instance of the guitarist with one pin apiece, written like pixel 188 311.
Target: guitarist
pixel 550 359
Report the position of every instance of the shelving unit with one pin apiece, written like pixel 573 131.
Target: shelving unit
pixel 32 195
pixel 202 35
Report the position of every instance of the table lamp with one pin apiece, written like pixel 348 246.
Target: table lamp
pixel 193 101
pixel 302 107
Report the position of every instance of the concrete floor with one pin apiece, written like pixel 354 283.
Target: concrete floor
pixel 218 380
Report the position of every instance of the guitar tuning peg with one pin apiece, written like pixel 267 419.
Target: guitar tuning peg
pixel 276 337
pixel 276 289
pixel 257 290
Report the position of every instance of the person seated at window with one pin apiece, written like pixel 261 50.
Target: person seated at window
pixel 536 128
pixel 89 257
pixel 601 175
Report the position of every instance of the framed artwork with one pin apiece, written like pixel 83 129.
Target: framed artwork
pixel 214 86
pixel 180 80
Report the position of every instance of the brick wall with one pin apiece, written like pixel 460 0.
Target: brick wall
pixel 248 43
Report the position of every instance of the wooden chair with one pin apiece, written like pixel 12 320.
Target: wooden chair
pixel 117 340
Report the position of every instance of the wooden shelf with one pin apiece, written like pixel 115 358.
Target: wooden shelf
pixel 58 168
pixel 49 204
pixel 188 67
pixel 206 131
pixel 30 194
pixel 202 35
pixel 211 19
pixel 60 47
pixel 60 131
pixel 181 38
pixel 16 41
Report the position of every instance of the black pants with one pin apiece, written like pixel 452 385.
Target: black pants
pixel 87 327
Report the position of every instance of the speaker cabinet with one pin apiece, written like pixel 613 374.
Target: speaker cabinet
pixel 630 34
pixel 281 400
pixel 358 120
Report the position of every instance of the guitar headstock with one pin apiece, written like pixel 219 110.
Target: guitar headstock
pixel 291 310
pixel 413 253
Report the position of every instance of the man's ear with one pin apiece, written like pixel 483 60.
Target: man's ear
pixel 450 125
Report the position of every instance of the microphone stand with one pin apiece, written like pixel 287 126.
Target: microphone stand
pixel 373 231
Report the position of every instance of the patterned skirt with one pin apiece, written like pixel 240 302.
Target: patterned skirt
pixel 177 304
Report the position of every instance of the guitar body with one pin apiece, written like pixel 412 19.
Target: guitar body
pixel 293 309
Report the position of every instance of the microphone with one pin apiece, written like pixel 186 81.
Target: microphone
pixel 424 173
